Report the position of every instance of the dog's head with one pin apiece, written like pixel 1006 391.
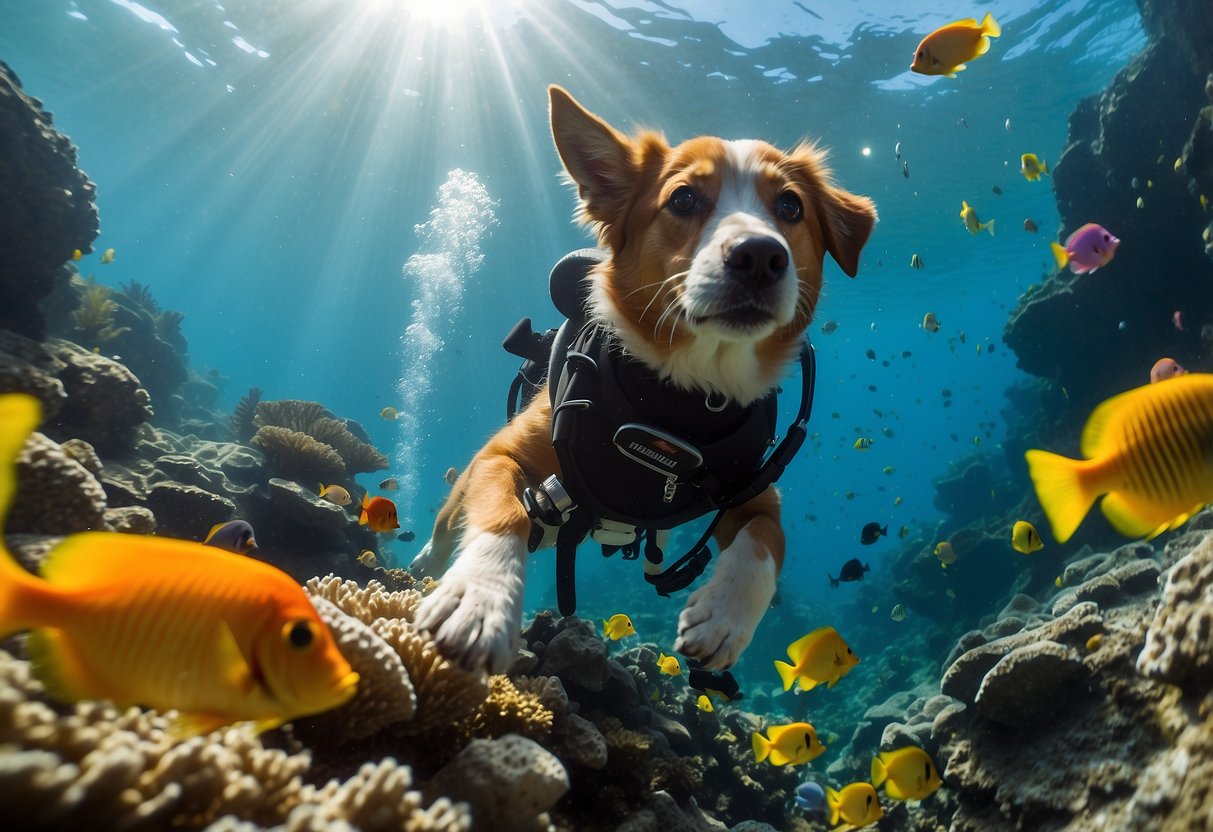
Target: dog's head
pixel 716 246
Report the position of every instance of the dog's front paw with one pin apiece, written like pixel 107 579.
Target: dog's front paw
pixel 475 614
pixel 719 620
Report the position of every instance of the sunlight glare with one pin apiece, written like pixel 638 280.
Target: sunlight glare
pixel 437 13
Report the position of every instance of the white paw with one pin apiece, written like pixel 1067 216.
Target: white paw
pixel 427 563
pixel 720 617
pixel 475 614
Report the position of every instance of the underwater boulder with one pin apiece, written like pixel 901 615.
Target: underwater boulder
pixel 105 401
pixel 1026 685
pixel 1179 642
pixel 26 366
pixel 55 493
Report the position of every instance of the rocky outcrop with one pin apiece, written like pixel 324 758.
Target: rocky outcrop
pixel 1123 146
pixel 46 207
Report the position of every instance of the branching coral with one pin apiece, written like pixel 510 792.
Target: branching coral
pixel 297 456
pixel 168 329
pixel 510 710
pixel 369 602
pixel 94 319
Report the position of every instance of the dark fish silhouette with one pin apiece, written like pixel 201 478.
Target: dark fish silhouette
pixel 852 570
pixel 406 536
pixel 871 533
pixel 721 681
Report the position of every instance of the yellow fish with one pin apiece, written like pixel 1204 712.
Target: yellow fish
pixel 617 626
pixel 907 773
pixel 389 413
pixel 704 704
pixel 944 51
pixel 945 553
pixel 1032 168
pixel 1025 538
pixel 969 217
pixel 794 744
pixel 1094 642
pixel 669 665
pixel 1059 582
pixel 108 256
pixel 335 494
pixel 930 323
pixel 857 804
pixel 368 559
pixel 820 657
pixel 863 443
pixel 77 254
pixel 163 623
pixel 1145 450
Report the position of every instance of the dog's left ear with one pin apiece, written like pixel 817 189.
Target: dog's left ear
pixel 847 222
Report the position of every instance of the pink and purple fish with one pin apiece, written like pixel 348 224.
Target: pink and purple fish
pixel 1165 368
pixel 1087 249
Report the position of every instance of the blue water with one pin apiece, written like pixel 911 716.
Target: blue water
pixel 265 166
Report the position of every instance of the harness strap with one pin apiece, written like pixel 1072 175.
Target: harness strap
pixel 574 530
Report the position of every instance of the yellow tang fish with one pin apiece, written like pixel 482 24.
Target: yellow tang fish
pixel 944 51
pixel 669 665
pixel 704 704
pixel 1145 450
pixel 857 804
pixel 945 553
pixel 907 773
pixel 1032 167
pixel 972 224
pixel 108 256
pixel 1025 538
pixel 163 623
pixel 820 657
pixel 617 626
pixel 77 254
pixel 794 744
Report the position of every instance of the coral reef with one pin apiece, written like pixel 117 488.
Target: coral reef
pixel 299 418
pixel 55 493
pixel 46 207
pixel 297 456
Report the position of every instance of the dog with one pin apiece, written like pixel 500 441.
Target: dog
pixel 713 275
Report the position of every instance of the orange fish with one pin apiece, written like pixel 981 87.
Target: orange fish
pixel 379 513
pixel 163 623
pixel 944 51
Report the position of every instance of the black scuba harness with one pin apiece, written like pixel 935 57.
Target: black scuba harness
pixel 638 455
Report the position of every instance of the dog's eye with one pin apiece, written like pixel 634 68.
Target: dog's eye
pixel 788 207
pixel 684 200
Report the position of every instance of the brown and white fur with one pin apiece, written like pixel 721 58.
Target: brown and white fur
pixel 713 287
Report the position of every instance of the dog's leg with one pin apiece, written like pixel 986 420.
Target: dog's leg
pixel 475 614
pixel 720 617
pixel 435 556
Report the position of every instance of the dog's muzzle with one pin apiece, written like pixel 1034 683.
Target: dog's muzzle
pixel 757 261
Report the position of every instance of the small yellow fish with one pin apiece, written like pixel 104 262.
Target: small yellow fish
pixel 1204 203
pixel 1149 183
pixel 915 261
pixel 1179 163
pixel 944 51
pixel 1024 538
pixel 655 695
pixel 1094 642
pixel 930 323
pixel 945 553
pixel 1059 582
pixel 971 223
pixel 368 559
pixel 335 494
pixel 863 443
pixel 1143 451
pixel 704 704
pixel 77 254
pixel 898 613
pixel 819 657
pixel 857 805
pixel 794 744
pixel 389 413
pixel 888 469
pixel 1032 167
pixel 1141 203
pixel 108 256
pixel 907 773
pixel 668 665
pixel 163 623
pixel 617 626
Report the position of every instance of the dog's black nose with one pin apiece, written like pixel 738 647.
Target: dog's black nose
pixel 757 260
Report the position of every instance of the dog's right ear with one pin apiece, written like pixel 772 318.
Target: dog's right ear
pixel 597 157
